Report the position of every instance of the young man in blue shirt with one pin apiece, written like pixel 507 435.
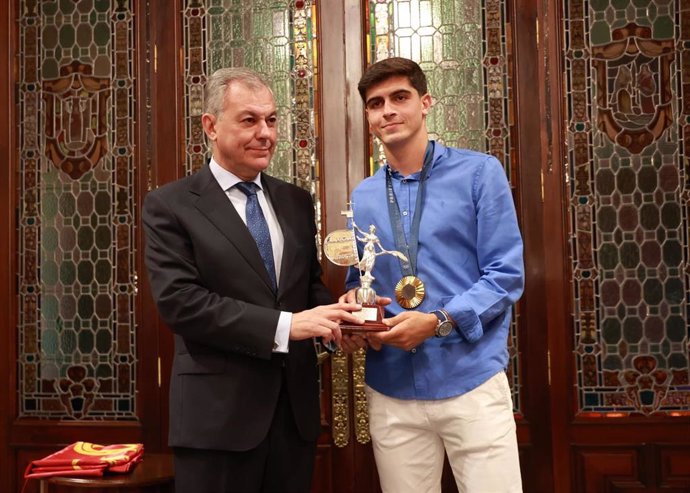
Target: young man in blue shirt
pixel 436 380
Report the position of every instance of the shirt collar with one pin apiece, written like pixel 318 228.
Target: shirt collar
pixel 438 150
pixel 226 179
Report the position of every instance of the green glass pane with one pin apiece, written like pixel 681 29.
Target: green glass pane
pixel 104 371
pixel 86 341
pixel 49 341
pixel 84 6
pixel 103 272
pixel 66 6
pixel 67 205
pixel 599 5
pixel 674 290
pixel 678 361
pixel 68 273
pixel 103 341
pixel 101 34
pixel 49 238
pixel 102 5
pixel 103 237
pixel 608 256
pixel 68 306
pixel 600 33
pixel 50 37
pixel 49 68
pixel 649 216
pixel 613 362
pixel 103 306
pixel 49 272
pixel 49 205
pixel 85 238
pixel 675 328
pixel 672 252
pixel 605 181
pixel 611 330
pixel 85 307
pixel 49 8
pixel 625 180
pixel 49 307
pixel 647 179
pixel 650 7
pixel 632 329
pixel 607 219
pixel 85 272
pixel 66 36
pixel 630 254
pixel 84 35
pixel 670 215
pixel 652 292
pixel 68 341
pixel 663 28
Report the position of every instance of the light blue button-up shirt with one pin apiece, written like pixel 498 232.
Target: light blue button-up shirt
pixel 470 260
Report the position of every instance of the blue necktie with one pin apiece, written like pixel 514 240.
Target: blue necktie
pixel 258 227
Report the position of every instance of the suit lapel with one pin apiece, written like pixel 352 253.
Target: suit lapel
pixel 214 204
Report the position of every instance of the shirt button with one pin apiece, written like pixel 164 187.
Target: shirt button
pixel 413 350
pixel 404 213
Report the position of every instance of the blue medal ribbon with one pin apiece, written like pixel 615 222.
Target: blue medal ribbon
pixel 409 249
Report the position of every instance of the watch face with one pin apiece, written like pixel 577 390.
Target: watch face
pixel 443 329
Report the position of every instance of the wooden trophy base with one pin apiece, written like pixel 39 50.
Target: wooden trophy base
pixel 371 316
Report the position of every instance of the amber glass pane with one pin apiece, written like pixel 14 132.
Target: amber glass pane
pixel 628 116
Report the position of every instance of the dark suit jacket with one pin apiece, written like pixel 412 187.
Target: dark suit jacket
pixel 213 291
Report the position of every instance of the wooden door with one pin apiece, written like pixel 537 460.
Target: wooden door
pixel 616 218
pixel 80 338
pixel 464 47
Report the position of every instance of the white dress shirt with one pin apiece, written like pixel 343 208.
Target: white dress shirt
pixel 227 182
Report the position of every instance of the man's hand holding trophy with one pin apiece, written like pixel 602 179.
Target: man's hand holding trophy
pixel 340 247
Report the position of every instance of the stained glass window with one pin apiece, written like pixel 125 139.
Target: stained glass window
pixel 77 280
pixel 278 40
pixel 627 69
pixel 462 47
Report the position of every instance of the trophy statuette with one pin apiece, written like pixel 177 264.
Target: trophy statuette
pixel 340 247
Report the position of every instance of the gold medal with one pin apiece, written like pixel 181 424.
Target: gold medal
pixel 409 292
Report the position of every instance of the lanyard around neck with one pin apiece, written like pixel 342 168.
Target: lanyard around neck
pixel 408 248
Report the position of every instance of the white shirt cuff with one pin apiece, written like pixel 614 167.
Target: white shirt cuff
pixel 282 339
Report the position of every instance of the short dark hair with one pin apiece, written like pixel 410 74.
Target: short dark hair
pixel 391 67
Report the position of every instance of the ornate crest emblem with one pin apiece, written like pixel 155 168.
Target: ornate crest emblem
pixel 633 87
pixel 76 125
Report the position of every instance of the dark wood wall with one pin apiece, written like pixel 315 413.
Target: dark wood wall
pixel 560 451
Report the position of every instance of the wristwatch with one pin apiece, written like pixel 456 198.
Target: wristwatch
pixel 445 325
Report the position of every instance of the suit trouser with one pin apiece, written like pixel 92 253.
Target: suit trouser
pixel 476 429
pixel 282 462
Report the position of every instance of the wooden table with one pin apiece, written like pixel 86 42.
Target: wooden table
pixel 154 474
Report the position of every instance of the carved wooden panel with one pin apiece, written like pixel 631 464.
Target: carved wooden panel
pixel 648 468
pixel 608 469
pixel 674 467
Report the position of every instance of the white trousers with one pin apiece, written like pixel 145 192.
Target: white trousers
pixel 476 429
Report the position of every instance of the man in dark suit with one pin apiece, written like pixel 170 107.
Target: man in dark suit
pixel 232 261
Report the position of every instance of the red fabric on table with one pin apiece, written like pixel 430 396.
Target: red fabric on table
pixel 87 459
